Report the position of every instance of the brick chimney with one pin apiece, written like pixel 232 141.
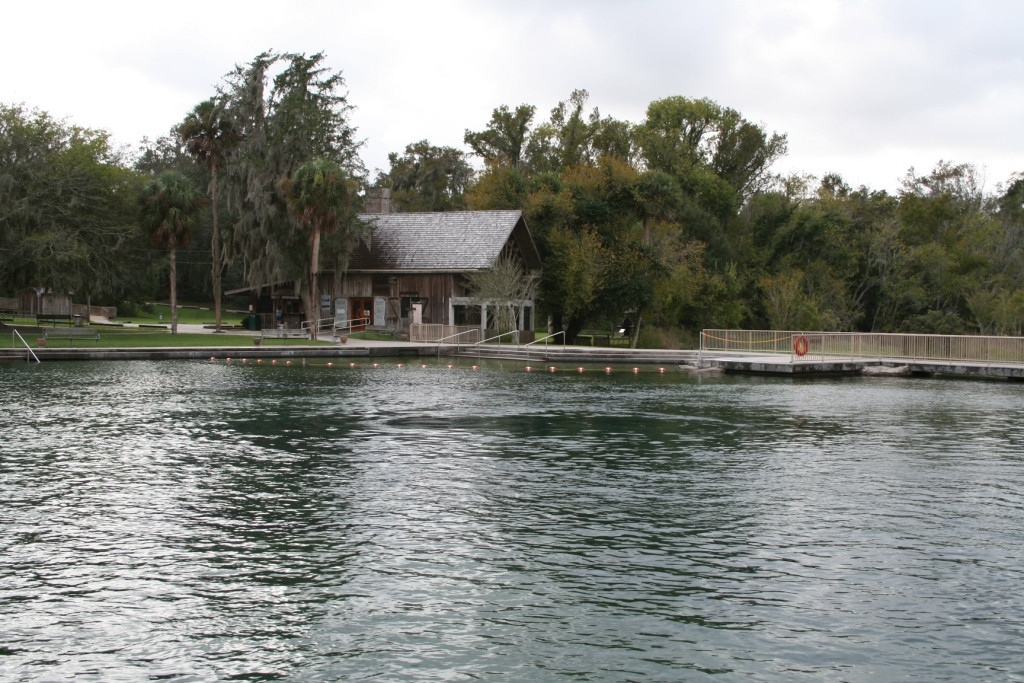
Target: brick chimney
pixel 378 200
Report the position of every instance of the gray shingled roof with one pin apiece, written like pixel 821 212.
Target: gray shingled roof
pixel 446 241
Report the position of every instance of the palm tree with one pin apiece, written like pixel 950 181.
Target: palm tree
pixel 170 203
pixel 318 197
pixel 207 134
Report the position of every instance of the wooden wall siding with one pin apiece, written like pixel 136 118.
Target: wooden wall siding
pixel 433 288
pixel 359 284
pixel 47 304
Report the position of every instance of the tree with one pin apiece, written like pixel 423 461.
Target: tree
pixel 67 207
pixel 680 135
pixel 566 139
pixel 304 116
pixel 575 273
pixel 502 287
pixel 658 198
pixel 169 204
pixel 206 134
pixel 427 178
pixel 504 141
pixel 318 198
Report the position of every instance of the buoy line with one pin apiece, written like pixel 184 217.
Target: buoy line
pixel 376 365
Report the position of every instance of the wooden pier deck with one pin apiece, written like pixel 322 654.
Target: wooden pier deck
pixel 775 365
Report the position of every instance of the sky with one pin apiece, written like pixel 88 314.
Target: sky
pixel 863 88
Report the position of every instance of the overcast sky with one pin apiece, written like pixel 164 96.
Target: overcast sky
pixel 865 88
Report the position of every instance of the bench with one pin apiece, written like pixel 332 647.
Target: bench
pixel 285 334
pixel 7 314
pixel 54 319
pixel 71 333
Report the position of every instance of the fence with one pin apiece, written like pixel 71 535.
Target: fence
pixel 840 345
pixel 431 332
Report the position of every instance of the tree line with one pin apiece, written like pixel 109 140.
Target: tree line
pixel 676 221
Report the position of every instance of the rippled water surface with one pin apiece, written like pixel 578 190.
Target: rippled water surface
pixel 208 521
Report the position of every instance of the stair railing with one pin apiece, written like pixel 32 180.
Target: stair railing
pixel 545 340
pixel 31 353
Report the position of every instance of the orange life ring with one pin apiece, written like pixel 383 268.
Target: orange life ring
pixel 801 345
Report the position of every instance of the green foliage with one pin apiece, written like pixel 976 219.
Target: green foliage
pixel 169 206
pixel 67 206
pixel 302 117
pixel 575 273
pixel 207 134
pixel 502 287
pixel 680 135
pixel 504 141
pixel 499 187
pixel 427 178
pixel 570 137
pixel 319 198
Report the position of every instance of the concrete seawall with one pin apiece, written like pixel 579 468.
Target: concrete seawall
pixel 777 365
pixel 219 352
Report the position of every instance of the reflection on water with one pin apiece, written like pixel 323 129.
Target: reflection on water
pixel 198 521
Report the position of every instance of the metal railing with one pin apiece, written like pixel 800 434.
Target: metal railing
pixel 545 340
pixel 321 324
pixel 458 345
pixel 479 345
pixel 431 332
pixel 940 348
pixel 31 353
pixel 336 329
pixel 348 324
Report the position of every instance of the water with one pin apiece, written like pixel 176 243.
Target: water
pixel 202 521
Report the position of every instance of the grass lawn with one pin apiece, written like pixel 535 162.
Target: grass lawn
pixel 134 337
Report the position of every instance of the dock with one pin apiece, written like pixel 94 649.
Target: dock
pixel 770 353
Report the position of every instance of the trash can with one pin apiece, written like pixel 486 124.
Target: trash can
pixel 78 320
pixel 252 323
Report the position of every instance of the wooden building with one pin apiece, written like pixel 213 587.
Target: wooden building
pixel 44 301
pixel 413 271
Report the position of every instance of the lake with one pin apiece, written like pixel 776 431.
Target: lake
pixel 195 521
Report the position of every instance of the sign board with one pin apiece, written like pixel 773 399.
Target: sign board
pixel 380 311
pixel 325 302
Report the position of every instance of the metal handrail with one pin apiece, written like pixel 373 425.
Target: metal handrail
pixel 320 323
pixel 351 322
pixel 480 343
pixel 453 336
pixel 458 346
pixel 31 352
pixel 497 336
pixel 545 340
